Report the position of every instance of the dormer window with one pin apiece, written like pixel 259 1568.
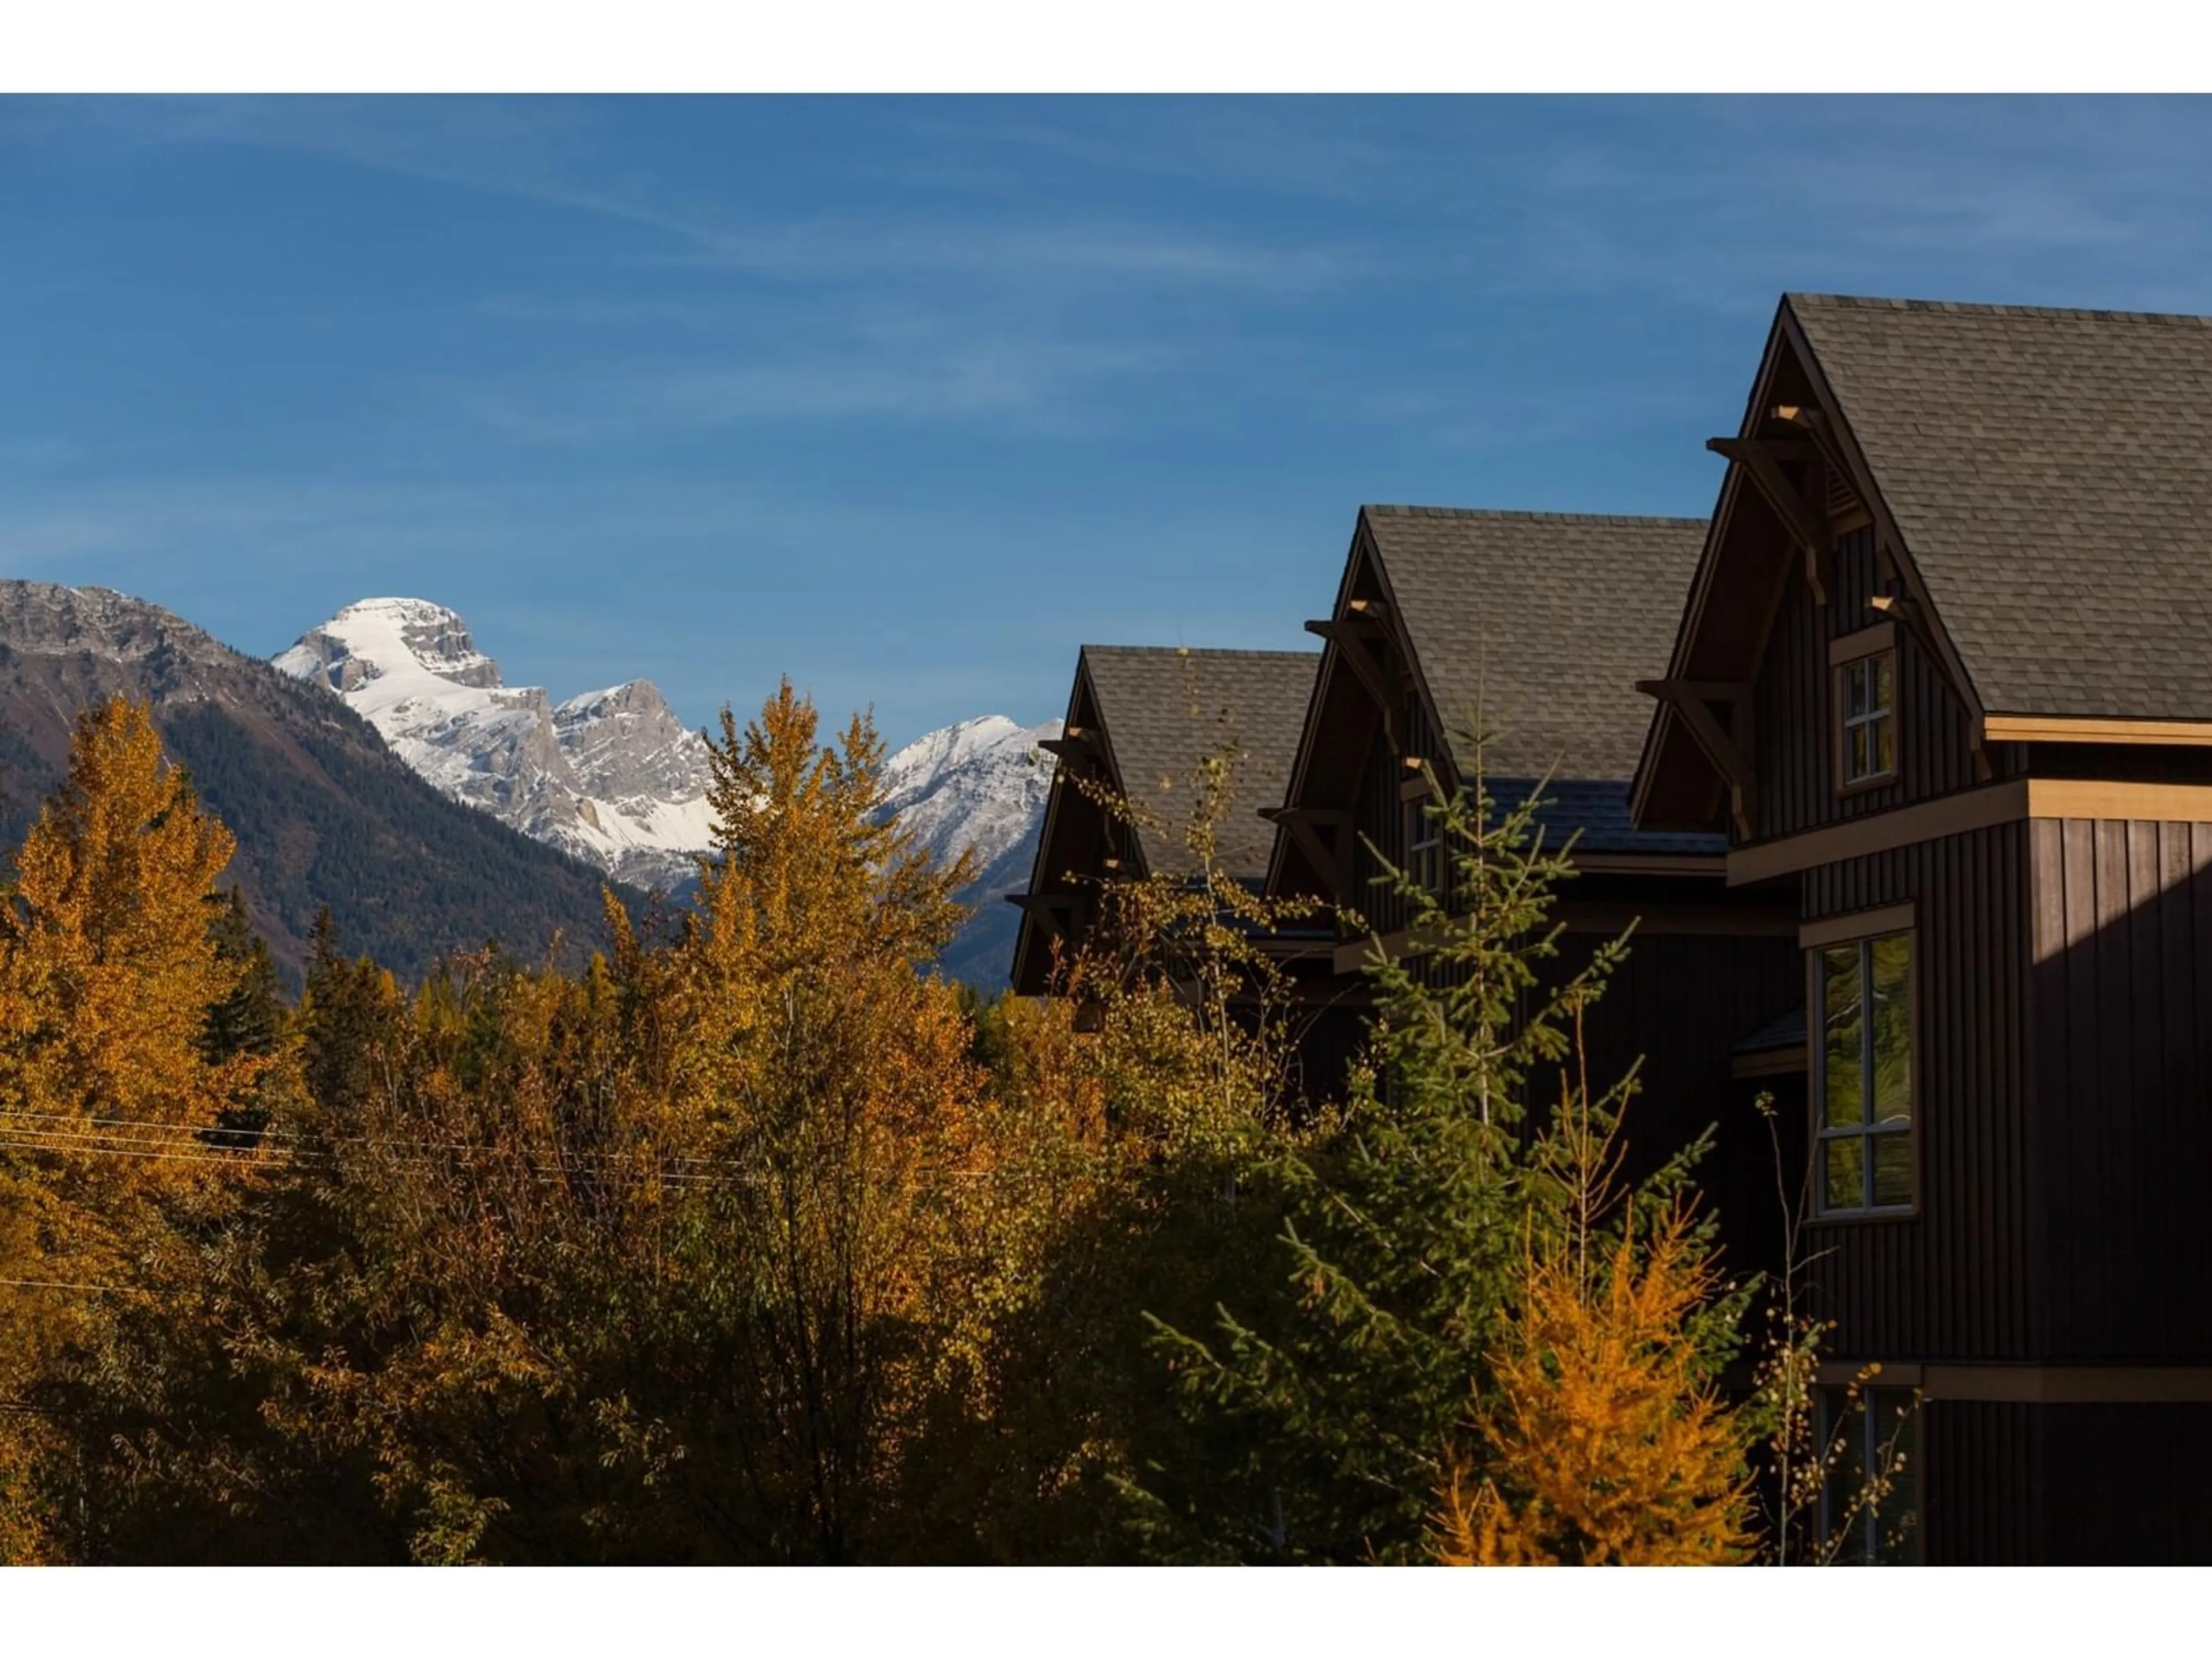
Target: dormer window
pixel 1866 707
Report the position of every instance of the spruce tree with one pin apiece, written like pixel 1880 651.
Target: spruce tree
pixel 1339 1390
pixel 249 1021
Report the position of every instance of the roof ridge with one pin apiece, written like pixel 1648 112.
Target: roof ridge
pixel 1509 516
pixel 1215 653
pixel 1970 308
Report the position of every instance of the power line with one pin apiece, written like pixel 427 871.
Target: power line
pixel 61 1284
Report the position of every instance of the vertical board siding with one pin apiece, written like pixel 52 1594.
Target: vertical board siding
pixel 1794 730
pixel 2127 1485
pixel 1679 1003
pixel 1379 818
pixel 1951 1281
pixel 1981 1499
pixel 2122 996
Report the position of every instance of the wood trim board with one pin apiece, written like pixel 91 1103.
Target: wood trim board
pixel 1997 1382
pixel 1970 809
pixel 2067 728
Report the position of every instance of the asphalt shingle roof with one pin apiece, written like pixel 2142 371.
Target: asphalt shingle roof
pixel 1535 627
pixel 1166 709
pixel 2051 473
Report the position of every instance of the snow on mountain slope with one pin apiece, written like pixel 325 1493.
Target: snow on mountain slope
pixel 981 784
pixel 612 777
pixel 615 778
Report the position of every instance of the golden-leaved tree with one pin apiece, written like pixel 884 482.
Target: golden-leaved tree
pixel 108 968
pixel 1606 1438
pixel 829 1076
pixel 670 1261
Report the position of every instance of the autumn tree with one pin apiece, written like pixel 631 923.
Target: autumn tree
pixel 109 971
pixel 1606 1437
pixel 830 1074
pixel 1338 1387
pixel 1152 1089
pixel 667 1260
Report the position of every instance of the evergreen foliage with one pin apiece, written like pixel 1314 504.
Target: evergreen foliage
pixel 1342 1387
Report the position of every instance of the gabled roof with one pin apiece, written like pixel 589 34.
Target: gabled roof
pixel 1536 626
pixel 2049 473
pixel 1530 628
pixel 1166 709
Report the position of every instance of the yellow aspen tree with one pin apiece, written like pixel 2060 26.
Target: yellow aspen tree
pixel 830 1073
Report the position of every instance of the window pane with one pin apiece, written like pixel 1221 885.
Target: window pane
pixel 1843 1509
pixel 1842 1081
pixel 1892 959
pixel 1895 1423
pixel 1892 1168
pixel 1844 1185
pixel 1855 754
pixel 1855 688
pixel 1882 733
pixel 1885 678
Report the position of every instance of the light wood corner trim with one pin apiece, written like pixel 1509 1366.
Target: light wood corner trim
pixel 1859 924
pixel 1850 647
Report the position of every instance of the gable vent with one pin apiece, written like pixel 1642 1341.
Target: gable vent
pixel 1843 499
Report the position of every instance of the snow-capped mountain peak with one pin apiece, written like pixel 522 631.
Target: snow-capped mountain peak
pixel 979 784
pixel 401 641
pixel 612 777
pixel 615 778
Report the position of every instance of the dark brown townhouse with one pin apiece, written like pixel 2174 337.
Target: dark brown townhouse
pixel 1140 722
pixel 1944 683
pixel 1533 628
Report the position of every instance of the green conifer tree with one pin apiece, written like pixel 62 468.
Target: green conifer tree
pixel 1333 1393
pixel 249 1021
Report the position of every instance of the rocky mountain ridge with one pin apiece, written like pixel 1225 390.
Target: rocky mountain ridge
pixel 325 813
pixel 611 777
pixel 614 778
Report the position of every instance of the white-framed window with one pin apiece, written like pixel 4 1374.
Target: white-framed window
pixel 1869 1505
pixel 1866 706
pixel 1862 1075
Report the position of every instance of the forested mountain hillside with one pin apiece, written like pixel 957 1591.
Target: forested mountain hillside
pixel 324 812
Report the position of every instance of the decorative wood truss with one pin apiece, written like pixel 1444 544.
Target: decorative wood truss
pixel 1726 744
pixel 1365 642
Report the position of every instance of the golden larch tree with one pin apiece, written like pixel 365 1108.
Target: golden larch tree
pixel 1607 1441
pixel 109 969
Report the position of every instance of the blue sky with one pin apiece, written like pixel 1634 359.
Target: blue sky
pixel 909 398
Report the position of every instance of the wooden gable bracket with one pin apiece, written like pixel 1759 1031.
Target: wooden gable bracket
pixel 1074 742
pixel 1331 862
pixel 1055 910
pixel 1693 700
pixel 1355 651
pixel 1762 460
